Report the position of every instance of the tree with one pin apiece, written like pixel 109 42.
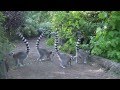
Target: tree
pixel 5 45
pixel 14 19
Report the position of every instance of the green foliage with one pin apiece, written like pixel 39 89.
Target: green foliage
pixel 45 25
pixel 69 23
pixel 102 27
pixel 13 20
pixel 34 21
pixel 102 15
pixel 2 18
pixel 5 45
pixel 107 40
pixel 50 41
pixel 29 31
pixel 68 47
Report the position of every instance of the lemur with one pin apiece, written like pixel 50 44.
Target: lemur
pixel 81 54
pixel 65 59
pixel 43 52
pixel 20 56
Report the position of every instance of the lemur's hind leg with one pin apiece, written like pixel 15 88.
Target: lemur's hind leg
pixel 40 58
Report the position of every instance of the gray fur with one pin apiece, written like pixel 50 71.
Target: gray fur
pixel 19 57
pixel 43 52
pixel 81 54
pixel 65 59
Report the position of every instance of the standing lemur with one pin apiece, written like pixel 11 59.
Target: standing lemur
pixel 65 59
pixel 20 56
pixel 43 52
pixel 80 53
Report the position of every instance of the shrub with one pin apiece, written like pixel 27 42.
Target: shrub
pixel 107 40
pixel 50 41
pixel 5 45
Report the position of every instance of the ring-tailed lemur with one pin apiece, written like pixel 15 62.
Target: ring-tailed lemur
pixel 77 49
pixel 19 57
pixel 43 52
pixel 81 54
pixel 65 59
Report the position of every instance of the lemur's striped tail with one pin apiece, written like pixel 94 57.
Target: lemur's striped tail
pixel 79 37
pixel 38 40
pixel 77 46
pixel 78 43
pixel 25 41
pixel 56 42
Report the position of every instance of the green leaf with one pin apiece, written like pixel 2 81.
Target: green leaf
pixel 102 15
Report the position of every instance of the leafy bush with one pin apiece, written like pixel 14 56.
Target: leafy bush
pixel 13 20
pixel 46 27
pixel 34 21
pixel 5 45
pixel 102 27
pixel 107 40
pixel 50 41
pixel 70 23
pixel 29 31
pixel 68 47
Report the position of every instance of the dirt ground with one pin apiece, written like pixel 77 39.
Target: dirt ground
pixel 52 70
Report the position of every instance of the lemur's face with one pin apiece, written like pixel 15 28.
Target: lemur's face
pixel 11 54
pixel 73 58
